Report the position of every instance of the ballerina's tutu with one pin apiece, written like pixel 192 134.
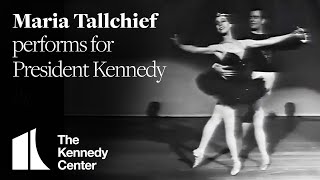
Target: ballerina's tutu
pixel 239 89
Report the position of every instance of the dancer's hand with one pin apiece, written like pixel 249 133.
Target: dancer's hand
pixel 175 39
pixel 302 35
pixel 224 70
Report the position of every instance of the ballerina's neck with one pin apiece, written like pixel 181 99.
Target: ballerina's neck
pixel 228 37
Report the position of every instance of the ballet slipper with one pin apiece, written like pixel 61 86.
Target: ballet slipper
pixel 265 163
pixel 236 168
pixel 199 157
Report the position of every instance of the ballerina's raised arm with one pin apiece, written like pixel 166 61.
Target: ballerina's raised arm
pixel 211 49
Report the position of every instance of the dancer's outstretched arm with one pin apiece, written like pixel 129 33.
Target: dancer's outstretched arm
pixel 195 49
pixel 299 33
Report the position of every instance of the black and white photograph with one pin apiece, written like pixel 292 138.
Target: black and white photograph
pixel 163 89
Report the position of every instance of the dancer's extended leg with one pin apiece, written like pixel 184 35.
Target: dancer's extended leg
pixel 258 118
pixel 207 133
pixel 229 120
pixel 260 135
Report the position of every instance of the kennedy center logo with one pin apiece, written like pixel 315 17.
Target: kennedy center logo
pixel 25 154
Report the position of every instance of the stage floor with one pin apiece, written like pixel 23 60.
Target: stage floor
pixel 161 148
